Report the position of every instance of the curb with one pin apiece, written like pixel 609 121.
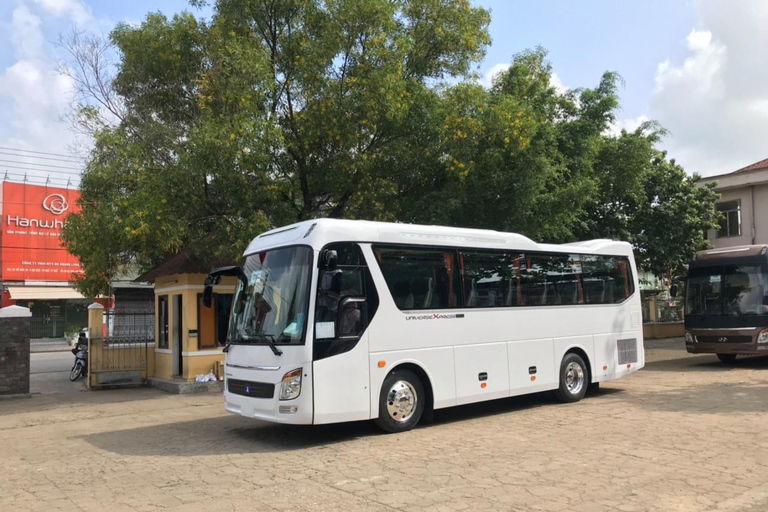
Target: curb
pixel 42 349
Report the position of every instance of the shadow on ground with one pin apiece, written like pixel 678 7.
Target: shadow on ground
pixel 705 362
pixel 80 396
pixel 235 435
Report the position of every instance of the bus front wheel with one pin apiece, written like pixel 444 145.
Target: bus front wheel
pixel 574 379
pixel 727 358
pixel 401 402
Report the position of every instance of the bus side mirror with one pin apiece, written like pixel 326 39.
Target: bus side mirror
pixel 214 278
pixel 328 260
pixel 210 281
pixel 673 288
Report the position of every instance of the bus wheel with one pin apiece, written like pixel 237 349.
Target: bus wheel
pixel 727 358
pixel 401 402
pixel 573 379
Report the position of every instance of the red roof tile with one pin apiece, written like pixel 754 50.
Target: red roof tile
pixel 762 164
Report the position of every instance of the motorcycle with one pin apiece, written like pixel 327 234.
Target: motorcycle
pixel 81 358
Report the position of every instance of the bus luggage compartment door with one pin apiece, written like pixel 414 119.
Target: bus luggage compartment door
pixel 482 372
pixel 525 354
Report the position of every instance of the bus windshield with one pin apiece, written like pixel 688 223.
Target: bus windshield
pixel 272 298
pixel 727 290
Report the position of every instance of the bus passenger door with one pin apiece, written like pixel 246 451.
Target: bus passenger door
pixel 345 304
pixel 530 366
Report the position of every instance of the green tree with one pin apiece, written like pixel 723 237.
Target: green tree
pixel 650 201
pixel 268 113
pixel 518 157
pixel 211 131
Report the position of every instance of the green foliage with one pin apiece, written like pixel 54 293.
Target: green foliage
pixel 273 112
pixel 650 201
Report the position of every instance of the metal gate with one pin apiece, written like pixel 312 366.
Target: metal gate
pixel 120 355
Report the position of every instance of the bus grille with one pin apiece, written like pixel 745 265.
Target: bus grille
pixel 724 339
pixel 627 350
pixel 251 389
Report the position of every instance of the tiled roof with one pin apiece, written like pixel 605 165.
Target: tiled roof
pixel 762 164
pixel 181 263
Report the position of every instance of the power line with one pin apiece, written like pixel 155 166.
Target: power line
pixel 47 171
pixel 40 157
pixel 40 165
pixel 42 153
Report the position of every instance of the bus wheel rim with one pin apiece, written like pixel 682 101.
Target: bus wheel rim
pixel 401 401
pixel 574 378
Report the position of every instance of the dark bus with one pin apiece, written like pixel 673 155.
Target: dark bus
pixel 726 302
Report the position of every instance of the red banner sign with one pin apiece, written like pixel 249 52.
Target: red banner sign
pixel 32 218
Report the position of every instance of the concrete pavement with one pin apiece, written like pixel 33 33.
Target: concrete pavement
pixel 684 434
pixel 49 374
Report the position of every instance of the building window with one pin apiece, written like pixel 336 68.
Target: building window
pixel 213 322
pixel 162 322
pixel 730 222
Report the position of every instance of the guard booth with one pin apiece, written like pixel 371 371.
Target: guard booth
pixel 189 337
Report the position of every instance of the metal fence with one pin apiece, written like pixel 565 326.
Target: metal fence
pixel 131 324
pixel 57 321
pixel 120 355
pixel 667 310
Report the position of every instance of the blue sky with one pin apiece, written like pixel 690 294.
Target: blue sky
pixel 697 66
pixel 586 38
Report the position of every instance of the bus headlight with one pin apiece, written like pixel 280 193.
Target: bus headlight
pixel 689 338
pixel 763 336
pixel 290 387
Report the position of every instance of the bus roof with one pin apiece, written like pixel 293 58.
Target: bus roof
pixel 319 232
pixel 723 254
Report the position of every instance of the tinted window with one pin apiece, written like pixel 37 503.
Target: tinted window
pixel 552 280
pixel 744 290
pixel 607 279
pixel 703 291
pixel 346 280
pixel 419 278
pixel 425 278
pixel 491 279
pixel 730 290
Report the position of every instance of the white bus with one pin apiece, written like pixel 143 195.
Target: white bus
pixel 338 320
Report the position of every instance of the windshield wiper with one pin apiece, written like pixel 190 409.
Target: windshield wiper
pixel 270 339
pixel 235 342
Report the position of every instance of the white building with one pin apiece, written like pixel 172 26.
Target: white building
pixel 744 204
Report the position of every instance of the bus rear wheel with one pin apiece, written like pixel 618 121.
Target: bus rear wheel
pixel 401 402
pixel 727 358
pixel 574 379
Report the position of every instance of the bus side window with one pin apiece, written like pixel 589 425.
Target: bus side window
pixel 419 278
pixel 341 295
pixel 607 279
pixel 490 279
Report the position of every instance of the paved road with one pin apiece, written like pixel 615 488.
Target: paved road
pixel 686 434
pixel 50 362
pixel 49 373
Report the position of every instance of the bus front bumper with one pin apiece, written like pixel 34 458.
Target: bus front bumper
pixel 727 348
pixel 267 407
